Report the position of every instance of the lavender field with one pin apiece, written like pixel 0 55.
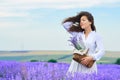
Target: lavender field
pixel 12 70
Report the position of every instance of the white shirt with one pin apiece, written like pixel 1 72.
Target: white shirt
pixel 93 41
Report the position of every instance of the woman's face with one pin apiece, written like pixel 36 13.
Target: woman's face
pixel 84 22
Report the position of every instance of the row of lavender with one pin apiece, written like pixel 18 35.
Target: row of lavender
pixel 10 70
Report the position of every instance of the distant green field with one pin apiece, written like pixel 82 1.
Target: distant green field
pixel 33 57
pixel 59 57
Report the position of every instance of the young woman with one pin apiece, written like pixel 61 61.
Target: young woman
pixel 82 27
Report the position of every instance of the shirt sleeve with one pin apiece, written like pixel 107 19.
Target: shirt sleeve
pixel 99 52
pixel 67 26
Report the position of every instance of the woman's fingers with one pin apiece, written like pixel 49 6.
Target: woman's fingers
pixel 84 62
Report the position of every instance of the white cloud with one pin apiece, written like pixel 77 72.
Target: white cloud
pixel 28 4
pixel 11 25
pixel 56 1
pixel 4 25
pixel 12 14
pixel 18 8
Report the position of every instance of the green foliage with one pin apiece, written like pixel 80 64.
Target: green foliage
pixel 33 60
pixel 52 60
pixel 118 61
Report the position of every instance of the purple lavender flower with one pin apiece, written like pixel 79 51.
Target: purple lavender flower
pixel 10 70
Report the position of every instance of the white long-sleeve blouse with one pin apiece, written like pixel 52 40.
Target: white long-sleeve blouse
pixel 93 41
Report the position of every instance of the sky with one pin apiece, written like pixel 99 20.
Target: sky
pixel 36 24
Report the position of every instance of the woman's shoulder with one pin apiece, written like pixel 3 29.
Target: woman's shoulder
pixel 80 33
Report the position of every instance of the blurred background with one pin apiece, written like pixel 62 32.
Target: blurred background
pixel 34 26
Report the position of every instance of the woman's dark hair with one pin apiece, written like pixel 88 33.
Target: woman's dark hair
pixel 77 18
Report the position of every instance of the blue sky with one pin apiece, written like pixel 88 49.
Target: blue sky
pixel 36 24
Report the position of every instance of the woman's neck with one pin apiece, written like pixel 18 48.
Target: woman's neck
pixel 87 31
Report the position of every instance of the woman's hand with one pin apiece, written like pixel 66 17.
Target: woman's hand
pixel 86 60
